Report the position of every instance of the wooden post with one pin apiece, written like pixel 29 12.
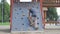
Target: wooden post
pixel 11 4
pixel 42 13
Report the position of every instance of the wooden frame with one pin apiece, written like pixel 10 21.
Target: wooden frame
pixel 11 5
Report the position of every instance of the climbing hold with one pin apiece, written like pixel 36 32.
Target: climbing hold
pixel 37 17
pixel 22 24
pixel 15 17
pixel 20 9
pixel 38 23
pixel 36 28
pixel 17 13
pixel 37 7
pixel 23 14
pixel 15 9
pixel 21 18
pixel 16 28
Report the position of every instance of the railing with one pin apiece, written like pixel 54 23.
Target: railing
pixel 52 22
pixel 51 2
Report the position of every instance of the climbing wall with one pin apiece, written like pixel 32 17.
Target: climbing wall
pixel 20 14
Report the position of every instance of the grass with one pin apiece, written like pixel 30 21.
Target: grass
pixel 4 23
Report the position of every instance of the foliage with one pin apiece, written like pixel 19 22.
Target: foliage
pixel 5 23
pixel 52 13
pixel 6 11
pixel 0 13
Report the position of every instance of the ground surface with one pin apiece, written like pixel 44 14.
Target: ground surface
pixel 5 30
pixel 45 32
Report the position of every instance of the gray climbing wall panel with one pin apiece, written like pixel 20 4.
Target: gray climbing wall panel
pixel 20 13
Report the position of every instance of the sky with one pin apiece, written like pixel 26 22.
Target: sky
pixel 7 1
pixel 0 0
pixel 58 10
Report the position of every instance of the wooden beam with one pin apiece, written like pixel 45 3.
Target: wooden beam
pixel 51 3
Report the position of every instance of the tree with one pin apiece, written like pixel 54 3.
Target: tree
pixel 0 13
pixel 6 12
pixel 52 13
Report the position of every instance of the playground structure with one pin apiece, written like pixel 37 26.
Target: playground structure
pixel 26 16
pixel 50 3
pixel 20 14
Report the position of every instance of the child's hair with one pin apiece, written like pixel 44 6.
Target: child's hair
pixel 33 15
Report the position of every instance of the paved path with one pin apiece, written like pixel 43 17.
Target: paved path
pixel 45 32
pixel 5 30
